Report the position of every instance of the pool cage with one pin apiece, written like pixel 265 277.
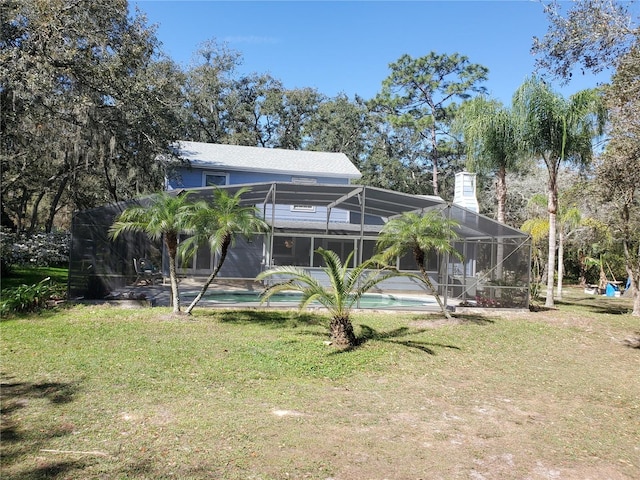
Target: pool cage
pixel 493 271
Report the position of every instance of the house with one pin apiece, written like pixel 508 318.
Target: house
pixel 311 200
pixel 212 164
pixel 217 165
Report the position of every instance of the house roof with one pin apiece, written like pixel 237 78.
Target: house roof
pixel 268 160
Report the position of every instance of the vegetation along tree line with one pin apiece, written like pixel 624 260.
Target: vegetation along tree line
pixel 89 106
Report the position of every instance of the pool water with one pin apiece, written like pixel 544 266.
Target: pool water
pixel 369 300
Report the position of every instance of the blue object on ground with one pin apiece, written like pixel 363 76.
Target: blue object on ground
pixel 611 290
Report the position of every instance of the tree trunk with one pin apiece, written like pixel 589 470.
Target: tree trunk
pixel 553 209
pixel 223 255
pixel 111 187
pixel 21 213
pixel 583 268
pixel 560 262
pixel 501 194
pixel 501 197
pixel 53 208
pixel 342 332
pixel 632 261
pixel 34 212
pixel 171 240
pixel 434 158
pixel 419 257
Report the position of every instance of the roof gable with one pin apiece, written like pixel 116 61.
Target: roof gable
pixel 268 160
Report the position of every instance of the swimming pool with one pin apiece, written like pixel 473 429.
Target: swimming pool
pixel 369 300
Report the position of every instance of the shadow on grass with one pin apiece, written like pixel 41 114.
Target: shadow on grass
pixel 47 471
pixel 598 304
pixel 393 336
pixel 21 440
pixel 55 392
pixel 270 318
pixel 475 319
pixel 436 320
pixel 42 314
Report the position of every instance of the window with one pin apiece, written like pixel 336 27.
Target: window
pixel 215 179
pixel 303 208
pixel 303 181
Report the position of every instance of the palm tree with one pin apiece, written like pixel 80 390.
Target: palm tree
pixel 164 216
pixel 217 224
pixel 568 218
pixel 347 286
pixel 490 134
pixel 557 130
pixel 419 234
pixel 538 228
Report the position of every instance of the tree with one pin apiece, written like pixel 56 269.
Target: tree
pixel 490 134
pixel 567 221
pixel 86 106
pixel 209 89
pixel 557 131
pixel 618 179
pixel 419 234
pixel 489 131
pixel 287 111
pixel 619 174
pixel 394 161
pixel 419 94
pixel 603 34
pixel 593 33
pixel 339 125
pixel 347 287
pixel 538 228
pixel 217 224
pixel 165 216
pixel 224 106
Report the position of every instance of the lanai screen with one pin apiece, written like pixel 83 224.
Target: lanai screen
pixel 494 271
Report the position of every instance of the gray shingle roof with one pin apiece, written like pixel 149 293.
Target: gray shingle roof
pixel 270 160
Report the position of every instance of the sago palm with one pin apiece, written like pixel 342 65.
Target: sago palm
pixel 217 224
pixel 164 216
pixel 419 234
pixel 347 285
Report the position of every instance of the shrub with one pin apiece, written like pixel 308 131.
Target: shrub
pixel 40 249
pixel 29 298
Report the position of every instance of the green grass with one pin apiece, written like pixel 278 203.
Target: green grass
pixel 32 275
pixel 100 392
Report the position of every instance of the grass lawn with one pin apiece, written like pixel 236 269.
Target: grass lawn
pixel 33 275
pixel 94 392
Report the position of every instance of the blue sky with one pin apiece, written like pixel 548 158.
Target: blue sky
pixel 341 46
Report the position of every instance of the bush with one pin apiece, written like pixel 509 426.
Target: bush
pixel 29 298
pixel 40 249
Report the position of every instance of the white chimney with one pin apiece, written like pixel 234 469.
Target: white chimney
pixel 465 191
